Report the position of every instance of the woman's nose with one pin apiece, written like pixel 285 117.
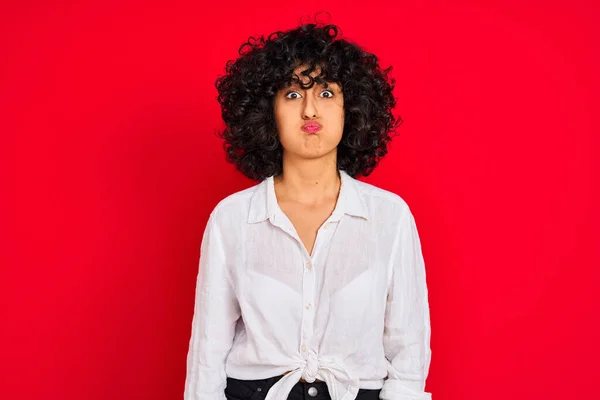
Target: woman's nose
pixel 310 107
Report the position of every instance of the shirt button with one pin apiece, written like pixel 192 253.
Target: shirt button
pixel 312 391
pixel 308 266
pixel 304 348
pixel 308 306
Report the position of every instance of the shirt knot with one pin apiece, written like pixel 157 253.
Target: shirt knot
pixel 311 368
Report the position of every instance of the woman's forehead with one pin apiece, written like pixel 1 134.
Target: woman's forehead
pixel 300 75
pixel 323 83
pixel 303 67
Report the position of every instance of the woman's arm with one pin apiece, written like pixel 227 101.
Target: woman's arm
pixel 216 311
pixel 407 327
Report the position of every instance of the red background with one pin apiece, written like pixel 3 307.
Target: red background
pixel 110 167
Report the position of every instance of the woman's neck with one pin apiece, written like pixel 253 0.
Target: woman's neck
pixel 310 182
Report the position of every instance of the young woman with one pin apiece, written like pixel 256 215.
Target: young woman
pixel 311 283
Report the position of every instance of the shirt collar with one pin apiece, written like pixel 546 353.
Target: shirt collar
pixel 263 204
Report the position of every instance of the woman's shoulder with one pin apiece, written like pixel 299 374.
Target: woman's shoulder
pixel 235 205
pixel 379 198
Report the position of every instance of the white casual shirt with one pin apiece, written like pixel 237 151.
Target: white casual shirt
pixel 354 313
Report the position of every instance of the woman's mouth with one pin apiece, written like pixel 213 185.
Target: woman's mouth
pixel 311 127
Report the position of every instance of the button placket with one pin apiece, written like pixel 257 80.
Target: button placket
pixel 308 293
pixel 309 285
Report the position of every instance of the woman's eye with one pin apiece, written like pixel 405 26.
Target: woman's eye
pixel 293 95
pixel 328 92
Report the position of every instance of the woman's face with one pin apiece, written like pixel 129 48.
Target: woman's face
pixel 310 122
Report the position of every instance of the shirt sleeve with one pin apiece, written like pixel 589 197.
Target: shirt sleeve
pixel 216 311
pixel 407 332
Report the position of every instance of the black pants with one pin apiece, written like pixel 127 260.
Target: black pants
pixel 257 390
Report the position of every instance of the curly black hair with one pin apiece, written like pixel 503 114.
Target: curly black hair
pixel 266 65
